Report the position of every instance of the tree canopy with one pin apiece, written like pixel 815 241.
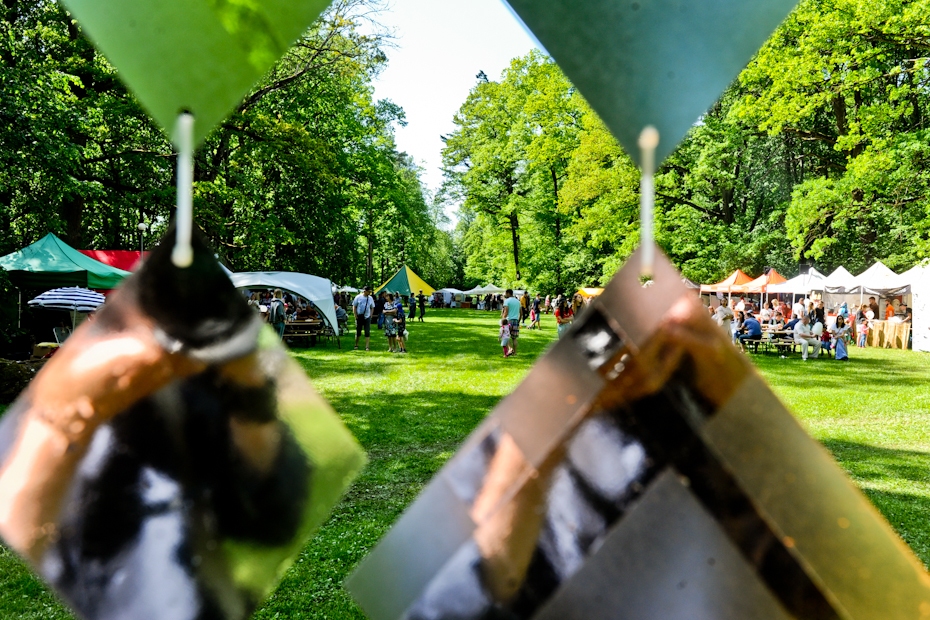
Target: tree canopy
pixel 304 175
pixel 817 153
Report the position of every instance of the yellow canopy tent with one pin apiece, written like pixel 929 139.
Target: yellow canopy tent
pixel 590 291
pixel 406 282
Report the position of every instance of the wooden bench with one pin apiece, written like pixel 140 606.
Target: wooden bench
pixel 309 329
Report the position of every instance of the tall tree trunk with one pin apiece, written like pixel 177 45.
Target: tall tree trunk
pixel 369 259
pixel 73 212
pixel 515 236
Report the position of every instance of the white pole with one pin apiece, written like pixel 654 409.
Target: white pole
pixel 183 255
pixel 648 141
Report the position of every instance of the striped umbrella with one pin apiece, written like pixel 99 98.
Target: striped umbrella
pixel 73 298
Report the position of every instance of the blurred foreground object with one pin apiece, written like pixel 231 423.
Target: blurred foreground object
pixel 171 459
pixel 642 470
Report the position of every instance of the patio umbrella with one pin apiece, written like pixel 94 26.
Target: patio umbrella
pixel 72 298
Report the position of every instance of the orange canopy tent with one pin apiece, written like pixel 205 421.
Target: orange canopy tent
pixel 760 284
pixel 729 284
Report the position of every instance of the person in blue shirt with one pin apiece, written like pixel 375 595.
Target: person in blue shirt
pixel 751 329
pixel 511 312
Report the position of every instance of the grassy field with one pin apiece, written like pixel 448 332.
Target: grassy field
pixel 411 412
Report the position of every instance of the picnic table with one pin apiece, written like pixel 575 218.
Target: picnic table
pixel 778 340
pixel 311 329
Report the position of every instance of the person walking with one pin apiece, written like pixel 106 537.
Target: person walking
pixel 524 307
pixel 363 306
pixel 277 313
pixel 421 301
pixel 511 312
pixel 537 308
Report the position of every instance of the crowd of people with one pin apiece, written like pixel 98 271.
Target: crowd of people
pixel 279 308
pixel 804 323
pixel 388 313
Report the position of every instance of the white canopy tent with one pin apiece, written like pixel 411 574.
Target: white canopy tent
pixel 880 280
pixel 449 293
pixel 313 288
pixel 841 282
pixel 486 289
pixel 919 279
pixel 801 284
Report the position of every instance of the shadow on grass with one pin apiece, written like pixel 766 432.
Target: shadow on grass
pixel 897 482
pixel 419 418
pixel 866 372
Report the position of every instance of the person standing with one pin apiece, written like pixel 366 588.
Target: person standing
pixel 873 306
pixel 563 315
pixel 277 313
pixel 524 307
pixel 537 307
pixel 401 322
pixel 377 315
pixel 421 300
pixel 390 327
pixel 723 316
pixel 548 304
pixel 511 312
pixel 363 306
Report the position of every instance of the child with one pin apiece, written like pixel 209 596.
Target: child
pixel 863 333
pixel 505 337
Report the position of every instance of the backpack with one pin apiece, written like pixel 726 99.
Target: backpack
pixel 278 314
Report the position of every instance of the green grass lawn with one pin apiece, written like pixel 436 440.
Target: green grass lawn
pixel 411 412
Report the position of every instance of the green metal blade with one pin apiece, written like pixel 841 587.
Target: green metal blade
pixel 651 62
pixel 201 56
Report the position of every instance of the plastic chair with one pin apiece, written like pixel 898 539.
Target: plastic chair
pixel 61 334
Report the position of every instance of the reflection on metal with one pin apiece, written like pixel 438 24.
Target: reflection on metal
pixel 171 460
pixel 642 470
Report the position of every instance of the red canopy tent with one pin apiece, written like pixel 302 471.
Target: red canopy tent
pixel 729 284
pixel 760 284
pixel 121 259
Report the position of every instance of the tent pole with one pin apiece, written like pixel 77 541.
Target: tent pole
pixel 19 310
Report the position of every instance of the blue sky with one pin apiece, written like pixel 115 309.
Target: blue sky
pixel 441 46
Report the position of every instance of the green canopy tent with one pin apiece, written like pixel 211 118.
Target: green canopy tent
pixel 51 263
pixel 406 282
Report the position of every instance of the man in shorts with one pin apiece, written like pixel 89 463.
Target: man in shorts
pixel 511 312
pixel 363 305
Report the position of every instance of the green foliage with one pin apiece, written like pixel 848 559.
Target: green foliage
pixel 818 153
pixel 304 175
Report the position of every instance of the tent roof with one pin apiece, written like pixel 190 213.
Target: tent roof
pixel 50 263
pixel 126 260
pixel 590 291
pixel 316 289
pixel 840 281
pixel 803 283
pixel 487 288
pixel 760 284
pixel 880 280
pixel 406 282
pixel 726 285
